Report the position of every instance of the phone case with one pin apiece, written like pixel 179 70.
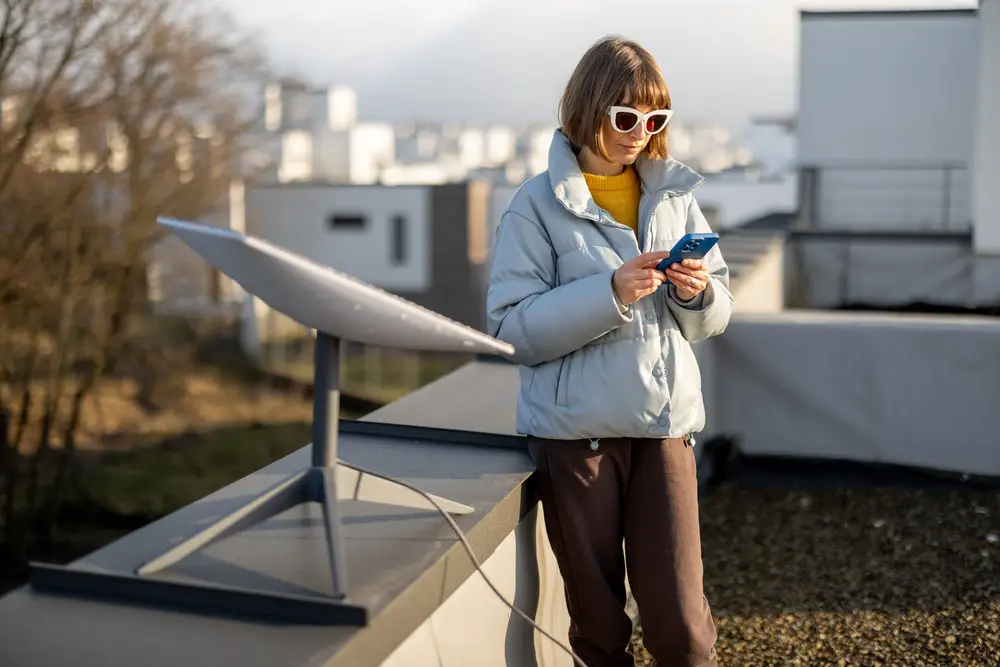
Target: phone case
pixel 690 246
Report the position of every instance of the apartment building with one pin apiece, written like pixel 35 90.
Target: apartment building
pixel 898 136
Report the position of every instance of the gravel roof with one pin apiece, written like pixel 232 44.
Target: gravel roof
pixel 853 575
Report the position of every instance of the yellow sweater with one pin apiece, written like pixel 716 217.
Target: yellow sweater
pixel 618 195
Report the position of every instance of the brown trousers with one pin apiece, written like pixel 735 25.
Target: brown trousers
pixel 645 493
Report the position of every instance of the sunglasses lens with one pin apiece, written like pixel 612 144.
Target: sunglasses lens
pixel 625 120
pixel 656 123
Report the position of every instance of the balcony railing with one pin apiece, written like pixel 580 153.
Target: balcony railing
pixel 885 196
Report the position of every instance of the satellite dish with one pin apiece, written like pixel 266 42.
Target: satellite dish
pixel 321 298
pixel 338 307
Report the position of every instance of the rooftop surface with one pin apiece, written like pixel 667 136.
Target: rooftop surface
pixel 820 564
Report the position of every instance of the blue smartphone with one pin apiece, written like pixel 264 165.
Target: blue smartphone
pixel 691 246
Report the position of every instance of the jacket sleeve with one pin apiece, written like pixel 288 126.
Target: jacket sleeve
pixel 708 313
pixel 525 306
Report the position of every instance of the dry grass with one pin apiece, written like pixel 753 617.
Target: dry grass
pixel 205 399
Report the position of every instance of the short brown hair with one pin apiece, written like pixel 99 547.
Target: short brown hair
pixel 612 71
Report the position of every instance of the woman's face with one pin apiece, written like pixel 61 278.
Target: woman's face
pixel 624 148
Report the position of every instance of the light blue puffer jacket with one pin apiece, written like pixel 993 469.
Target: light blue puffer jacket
pixel 587 369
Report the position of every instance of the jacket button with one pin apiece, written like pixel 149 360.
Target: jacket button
pixel 662 421
pixel 657 372
pixel 650 316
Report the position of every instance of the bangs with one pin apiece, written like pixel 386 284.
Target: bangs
pixel 614 71
pixel 645 85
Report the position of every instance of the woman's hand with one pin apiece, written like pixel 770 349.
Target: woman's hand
pixel 638 277
pixel 689 278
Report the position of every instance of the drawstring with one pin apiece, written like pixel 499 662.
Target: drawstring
pixel 595 443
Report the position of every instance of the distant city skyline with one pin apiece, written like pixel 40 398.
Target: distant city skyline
pixel 506 61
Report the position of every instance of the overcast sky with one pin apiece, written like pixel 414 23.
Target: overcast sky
pixel 506 61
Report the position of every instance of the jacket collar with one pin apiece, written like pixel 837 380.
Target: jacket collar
pixel 570 188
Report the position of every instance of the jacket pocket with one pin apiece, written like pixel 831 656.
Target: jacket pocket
pixel 562 381
pixel 687 362
pixel 686 398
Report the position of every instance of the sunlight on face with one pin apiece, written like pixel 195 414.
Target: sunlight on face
pixel 625 149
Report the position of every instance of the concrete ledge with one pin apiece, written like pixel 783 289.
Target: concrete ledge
pixel 404 562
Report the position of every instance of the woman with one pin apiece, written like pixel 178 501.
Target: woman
pixel 610 391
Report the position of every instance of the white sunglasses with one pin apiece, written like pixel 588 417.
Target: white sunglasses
pixel 625 119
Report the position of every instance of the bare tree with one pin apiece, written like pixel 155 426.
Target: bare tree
pixel 114 112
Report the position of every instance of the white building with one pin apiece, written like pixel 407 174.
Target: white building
pixel 417 143
pixel 289 106
pixel 311 134
pixel 887 124
pixel 773 145
pixel 501 145
pixel 453 153
pixel 426 243
pixel 355 155
pixel 430 154
pixel 759 177
pixel 380 235
pixel 899 138
pixel 471 147
pixel 416 173
pixel 733 198
pixel 533 149
pixel 706 147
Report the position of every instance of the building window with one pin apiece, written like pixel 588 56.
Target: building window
pixel 346 221
pixel 397 239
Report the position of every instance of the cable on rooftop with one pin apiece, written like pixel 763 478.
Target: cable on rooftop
pixel 472 556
